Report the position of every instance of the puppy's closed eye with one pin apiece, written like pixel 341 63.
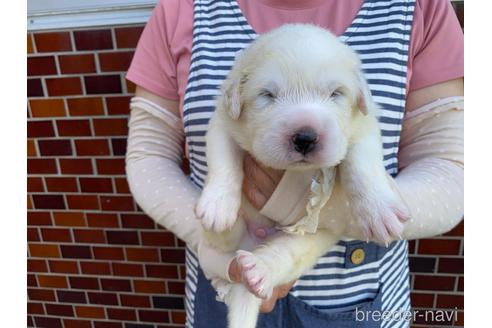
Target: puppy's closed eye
pixel 268 94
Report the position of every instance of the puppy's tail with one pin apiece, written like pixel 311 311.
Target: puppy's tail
pixel 243 307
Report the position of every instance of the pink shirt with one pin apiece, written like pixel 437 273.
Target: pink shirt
pixel 162 58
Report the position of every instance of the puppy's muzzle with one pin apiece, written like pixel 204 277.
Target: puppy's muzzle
pixel 304 141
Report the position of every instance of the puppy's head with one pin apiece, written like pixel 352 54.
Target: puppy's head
pixel 294 97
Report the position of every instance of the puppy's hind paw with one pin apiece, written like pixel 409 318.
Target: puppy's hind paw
pixel 255 274
pixel 218 211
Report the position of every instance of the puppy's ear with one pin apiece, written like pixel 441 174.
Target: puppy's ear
pixel 231 95
pixel 364 98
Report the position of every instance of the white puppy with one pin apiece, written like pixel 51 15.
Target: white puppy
pixel 295 100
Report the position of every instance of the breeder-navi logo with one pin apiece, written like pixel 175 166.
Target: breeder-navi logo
pixel 407 315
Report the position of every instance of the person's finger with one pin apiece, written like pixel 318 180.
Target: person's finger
pixel 253 194
pixel 258 174
pixel 268 305
pixel 234 273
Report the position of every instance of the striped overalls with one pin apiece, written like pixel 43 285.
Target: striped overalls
pixel 332 292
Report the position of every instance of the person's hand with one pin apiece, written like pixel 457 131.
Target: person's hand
pixel 259 182
pixel 278 292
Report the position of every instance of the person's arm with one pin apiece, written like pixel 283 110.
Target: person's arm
pixel 153 166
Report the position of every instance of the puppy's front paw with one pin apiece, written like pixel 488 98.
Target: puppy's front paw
pixel 218 209
pixel 255 274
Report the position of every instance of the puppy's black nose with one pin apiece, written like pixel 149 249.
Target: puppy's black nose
pixel 304 141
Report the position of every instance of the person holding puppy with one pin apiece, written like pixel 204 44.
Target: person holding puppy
pixel 412 56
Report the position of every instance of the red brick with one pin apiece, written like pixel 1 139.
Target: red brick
pixel 130 86
pixel 122 185
pixel 102 220
pixel 108 324
pixel 44 250
pixel 56 234
pixel 137 221
pixel 83 283
pixel 119 146
pixel 48 322
pixel 110 166
pixel 93 39
pixel 31 148
pixel 69 219
pixel 122 237
pixel 96 185
pixel 29 202
pixel 86 106
pixel 63 266
pixel 153 316
pixel 81 63
pixel 158 238
pixel 127 37
pixel 173 255
pixel 451 265
pixel 41 65
pixel 92 147
pixel 115 61
pixel 89 236
pixel 128 270
pixel 77 252
pixel 39 129
pixel 111 127
pixel 36 265
pixel 59 310
pixel 64 86
pixel 61 184
pixel 53 41
pixel 97 268
pixel 102 84
pixel 37 294
pixel 176 287
pixel 32 234
pixel 103 298
pixel 450 301
pixel 108 253
pixel 48 201
pixel 122 314
pixel 50 107
pixel 149 287
pixel 178 317
pixel 434 282
pixel 439 246
pixel 116 284
pixel 161 271
pixel 71 323
pixel 90 312
pixel 142 254
pixel 118 105
pixel 58 147
pixel 67 296
pixel 31 280
pixel 461 284
pixel 41 165
pixel 34 184
pixel 117 203
pixel 35 308
pixel 76 166
pixel 136 301
pixel 34 88
pixel 38 218
pixel 85 202
pixel 73 128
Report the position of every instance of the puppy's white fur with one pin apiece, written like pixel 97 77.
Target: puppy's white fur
pixel 293 78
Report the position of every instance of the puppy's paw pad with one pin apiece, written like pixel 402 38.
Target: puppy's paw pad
pixel 255 274
pixel 218 211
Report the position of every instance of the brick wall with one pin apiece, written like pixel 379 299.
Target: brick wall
pixel 94 259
